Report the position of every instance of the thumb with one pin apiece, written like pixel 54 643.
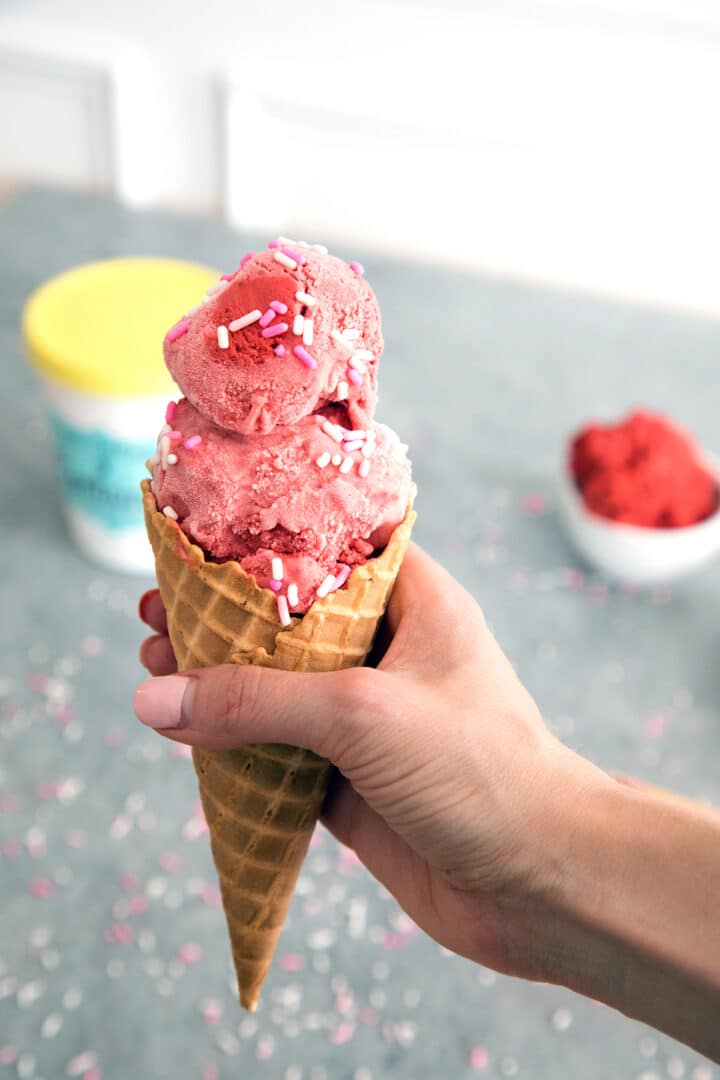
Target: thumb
pixel 220 708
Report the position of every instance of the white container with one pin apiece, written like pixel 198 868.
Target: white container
pixel 633 554
pixel 95 334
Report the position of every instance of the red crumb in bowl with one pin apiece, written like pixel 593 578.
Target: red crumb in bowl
pixel 645 471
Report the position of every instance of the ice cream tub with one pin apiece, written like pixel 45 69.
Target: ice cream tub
pixel 94 334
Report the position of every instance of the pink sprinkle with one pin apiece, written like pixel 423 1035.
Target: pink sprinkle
pixel 274 244
pixel 138 905
pixel 170 862
pixel 278 307
pixel 296 255
pixel 178 330
pixel 211 1072
pixel 92 1074
pixel 367 1016
pixel 129 883
pixel 119 933
pixel 275 585
pixel 91 645
pixel 114 737
pixel 357 268
pixel 11 848
pixel 41 887
pixel 655 725
pixel 192 442
pixel 174 436
pixel 354 376
pixel 342 1033
pixel 246 258
pixel 304 356
pixel 267 317
pixel 283 610
pixel 8 1054
pixel 211 896
pixel 534 504
pixel 364 469
pixel 189 953
pixel 342 577
pixel 226 277
pixel 170 412
pixel 479 1058
pixel 212 1011
pixel 278 328
pixel 76 838
pixel 292 962
pixel 280 350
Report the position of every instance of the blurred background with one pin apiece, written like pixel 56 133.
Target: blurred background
pixel 532 187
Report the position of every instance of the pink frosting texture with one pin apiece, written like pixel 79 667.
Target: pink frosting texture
pixel 269 460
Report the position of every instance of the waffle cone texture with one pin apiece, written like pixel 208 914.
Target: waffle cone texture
pixel 261 802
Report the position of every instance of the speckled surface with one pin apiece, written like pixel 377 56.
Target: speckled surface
pixel 113 957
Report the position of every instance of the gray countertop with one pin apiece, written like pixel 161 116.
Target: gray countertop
pixel 113 956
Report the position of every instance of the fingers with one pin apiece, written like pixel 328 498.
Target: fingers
pixel 233 705
pixel 157 656
pixel 152 611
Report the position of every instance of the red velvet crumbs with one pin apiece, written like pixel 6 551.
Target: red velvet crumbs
pixel 643 471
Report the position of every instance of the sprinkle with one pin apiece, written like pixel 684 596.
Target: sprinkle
pixel 351 334
pixel 275 585
pixel 292 595
pixel 305 298
pixel 246 258
pixel 298 325
pixel 304 356
pixel 355 377
pixel 245 320
pixel 323 460
pixel 357 268
pixel 276 243
pixel 268 317
pixel 226 277
pixel 337 336
pixel 170 411
pixel 216 288
pixel 364 468
pixel 282 606
pixel 347 465
pixel 358 433
pixel 355 444
pixel 368 448
pixel 178 330
pixel 342 577
pixel 170 513
pixel 325 587
pixel 174 436
pixel 277 568
pixel 223 338
pixel 321 248
pixel 192 442
pixel 342 390
pixel 357 363
pixel 284 260
pixel 164 451
pixel 280 350
pixel 308 332
pixel 275 329
pixel 296 256
pixel 336 459
pixel 333 430
pixel 172 459
pixel 278 307
pixel 363 354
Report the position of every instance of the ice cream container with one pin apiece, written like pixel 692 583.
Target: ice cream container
pixel 94 334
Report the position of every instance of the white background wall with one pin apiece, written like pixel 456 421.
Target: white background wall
pixel 569 141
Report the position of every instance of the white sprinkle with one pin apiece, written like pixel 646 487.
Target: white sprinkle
pixel 561 1019
pixel 356 363
pixel 223 337
pixel 336 459
pixel 40 937
pixel 357 914
pixel 298 325
pixel 284 260
pixel 346 465
pixel 308 332
pixel 228 1043
pixel 321 248
pixel 283 613
pixel 323 460
pixel 367 450
pixel 245 320
pixel 165 429
pixel 363 354
pixel 169 512
pixel 353 444
pixel 81 1064
pixel 172 459
pixel 164 451
pixel 292 594
pixel 323 589
pixel 51 1025
pixel 217 287
pixel 72 998
pixel 305 298
pixel 342 390
pixel 337 336
pixel 351 334
pixel 29 993
pixel 335 432
pixel 155 459
pixel 277 569
pixel 322 939
pixel 364 468
pixel 25 1066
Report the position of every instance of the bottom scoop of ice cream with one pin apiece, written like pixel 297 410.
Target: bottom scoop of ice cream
pixel 295 508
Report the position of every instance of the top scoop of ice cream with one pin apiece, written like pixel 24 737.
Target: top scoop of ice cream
pixel 292 331
pixel 643 471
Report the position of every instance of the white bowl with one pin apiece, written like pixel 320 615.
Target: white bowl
pixel 633 554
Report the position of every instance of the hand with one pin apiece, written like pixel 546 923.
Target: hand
pixel 448 778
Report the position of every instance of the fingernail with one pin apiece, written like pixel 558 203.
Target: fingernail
pixel 142 604
pixel 165 702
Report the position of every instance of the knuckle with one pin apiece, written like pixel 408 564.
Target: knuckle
pixel 240 699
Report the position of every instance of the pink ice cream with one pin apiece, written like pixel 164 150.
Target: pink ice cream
pixel 273 458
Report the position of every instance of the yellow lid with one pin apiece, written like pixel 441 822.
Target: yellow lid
pixel 100 327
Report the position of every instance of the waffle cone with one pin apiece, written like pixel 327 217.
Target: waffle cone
pixel 261 802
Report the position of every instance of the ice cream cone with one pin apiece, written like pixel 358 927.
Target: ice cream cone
pixel 262 802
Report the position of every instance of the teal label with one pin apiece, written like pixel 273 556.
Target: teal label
pixel 101 473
